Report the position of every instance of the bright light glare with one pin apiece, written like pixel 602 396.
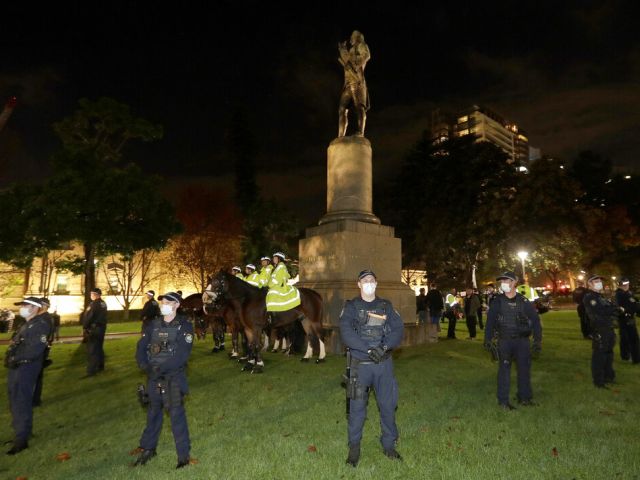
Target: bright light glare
pixel 523 255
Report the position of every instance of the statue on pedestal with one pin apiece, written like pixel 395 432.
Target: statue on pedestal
pixel 353 57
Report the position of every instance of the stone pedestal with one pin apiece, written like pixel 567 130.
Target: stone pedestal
pixel 350 239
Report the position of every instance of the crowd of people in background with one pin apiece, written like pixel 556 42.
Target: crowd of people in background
pixel 434 308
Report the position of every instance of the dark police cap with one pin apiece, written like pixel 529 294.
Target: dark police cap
pixel 364 273
pixel 171 296
pixel 30 301
pixel 508 276
pixel 595 277
pixel 45 302
pixel 96 290
pixel 151 293
pixel 624 281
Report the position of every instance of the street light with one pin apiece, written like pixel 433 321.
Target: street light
pixel 523 256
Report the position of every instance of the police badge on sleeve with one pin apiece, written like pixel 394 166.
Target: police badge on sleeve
pixel 188 338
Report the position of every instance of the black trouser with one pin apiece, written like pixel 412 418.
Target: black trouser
pixel 95 349
pixel 602 357
pixel 37 390
pixel 629 343
pixel 584 321
pixel 451 330
pixel 480 324
pixel 471 325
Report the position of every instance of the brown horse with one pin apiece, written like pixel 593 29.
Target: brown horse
pixel 249 303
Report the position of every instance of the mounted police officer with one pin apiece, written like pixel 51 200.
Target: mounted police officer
pixel 370 328
pixel 251 276
pixel 150 310
pixel 237 271
pixel 44 311
pixel 94 322
pixel 265 271
pixel 601 313
pixel 512 318
pixel 629 342
pixel 163 352
pixel 24 358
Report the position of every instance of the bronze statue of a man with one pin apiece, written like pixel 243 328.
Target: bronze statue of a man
pixel 353 57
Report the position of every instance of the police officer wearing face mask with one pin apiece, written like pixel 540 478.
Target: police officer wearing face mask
pixel 163 352
pixel 371 328
pixel 629 342
pixel 94 322
pixel 24 358
pixel 601 313
pixel 512 318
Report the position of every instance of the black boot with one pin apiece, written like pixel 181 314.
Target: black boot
pixel 18 446
pixel 183 462
pixel 145 456
pixel 354 455
pixel 392 453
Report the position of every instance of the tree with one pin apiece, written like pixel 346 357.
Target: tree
pixel 107 209
pixel 131 273
pixel 211 238
pixel 448 201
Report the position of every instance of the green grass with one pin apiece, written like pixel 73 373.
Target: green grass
pixel 250 426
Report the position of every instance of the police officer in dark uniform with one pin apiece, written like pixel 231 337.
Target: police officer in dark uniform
pixel 44 311
pixel 94 322
pixel 163 352
pixel 629 342
pixel 512 318
pixel 150 310
pixel 23 358
pixel 601 313
pixel 370 328
pixel 578 298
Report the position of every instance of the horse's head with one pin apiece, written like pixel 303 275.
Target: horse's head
pixel 217 287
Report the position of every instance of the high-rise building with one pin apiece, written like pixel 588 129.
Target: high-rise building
pixel 488 126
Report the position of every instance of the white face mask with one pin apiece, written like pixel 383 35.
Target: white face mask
pixel 505 287
pixel 166 309
pixel 25 312
pixel 368 289
pixel 597 285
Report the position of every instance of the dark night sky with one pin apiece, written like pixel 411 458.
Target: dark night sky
pixel 566 72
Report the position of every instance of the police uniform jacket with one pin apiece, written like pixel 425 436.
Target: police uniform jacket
pixel 30 341
pixel 357 331
pixel 95 314
pixel 150 310
pixel 512 318
pixel 164 349
pixel 601 311
pixel 627 301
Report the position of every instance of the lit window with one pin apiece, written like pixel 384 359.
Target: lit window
pixel 463 119
pixel 62 287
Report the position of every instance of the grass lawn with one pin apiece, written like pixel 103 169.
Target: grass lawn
pixel 289 423
pixel 76 330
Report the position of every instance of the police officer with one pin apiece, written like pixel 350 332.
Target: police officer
pixel 251 276
pixel 513 318
pixel 237 271
pixel 578 298
pixel 601 313
pixel 44 311
pixel 150 310
pixel 163 352
pixel 265 271
pixel 371 329
pixel 629 342
pixel 24 358
pixel 94 322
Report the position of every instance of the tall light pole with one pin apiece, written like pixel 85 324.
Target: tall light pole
pixel 523 256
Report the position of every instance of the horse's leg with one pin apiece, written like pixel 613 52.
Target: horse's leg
pixel 306 325
pixel 235 335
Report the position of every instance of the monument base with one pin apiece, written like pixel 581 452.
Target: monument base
pixel 332 255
